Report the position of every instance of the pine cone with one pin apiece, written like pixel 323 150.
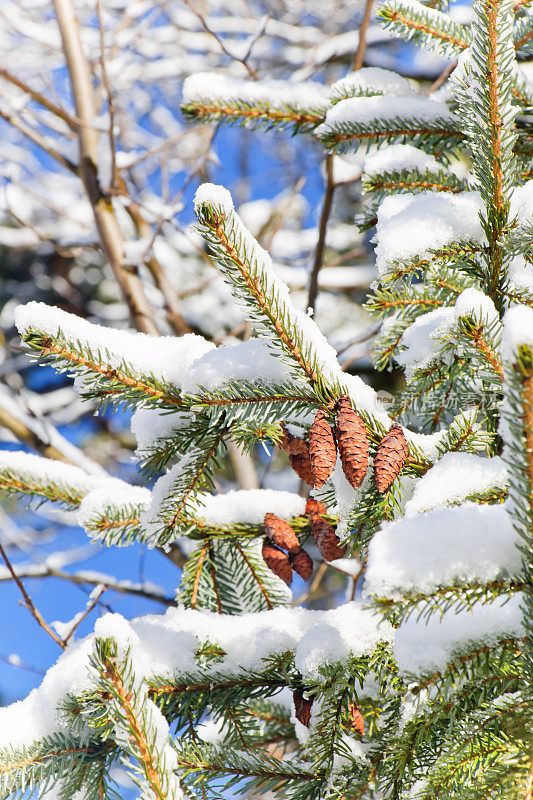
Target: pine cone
pixel 285 441
pixel 291 444
pixel 302 707
pixel 390 458
pixel 326 539
pixel 322 448
pixel 352 441
pixel 314 507
pixel 277 561
pixel 356 718
pixel 302 563
pixel 281 533
pixel 302 467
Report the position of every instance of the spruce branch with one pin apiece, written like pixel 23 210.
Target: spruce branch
pixel 225 234
pixel 136 723
pixel 105 383
pixel 59 757
pixel 438 135
pixel 425 26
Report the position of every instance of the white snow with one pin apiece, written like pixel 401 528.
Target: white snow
pixel 248 507
pixel 522 204
pixel 420 647
pixel 209 87
pixel 343 630
pixel 521 273
pixel 166 644
pixel 46 471
pixel 299 324
pixel 398 157
pixel 517 330
pixel 369 80
pixel 468 543
pixel 95 505
pixel 421 339
pixel 251 360
pixel 166 356
pixel 472 302
pixel 365 110
pixel 414 224
pixel 150 425
pixel 453 478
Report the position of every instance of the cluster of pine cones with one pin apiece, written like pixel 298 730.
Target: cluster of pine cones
pixel 303 706
pixel 314 463
pixel 280 537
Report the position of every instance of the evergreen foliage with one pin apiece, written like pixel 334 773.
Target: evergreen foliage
pixel 437 656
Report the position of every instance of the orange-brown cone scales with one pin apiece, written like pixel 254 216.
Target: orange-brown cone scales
pixel 352 441
pixel 390 457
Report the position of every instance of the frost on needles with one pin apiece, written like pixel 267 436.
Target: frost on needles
pixel 423 688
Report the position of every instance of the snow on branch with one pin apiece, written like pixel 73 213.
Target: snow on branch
pixel 54 480
pixel 364 121
pixel 248 270
pixel 368 82
pixel 435 221
pixel 429 28
pixel 457 477
pixel 112 514
pixel 112 364
pixel 468 544
pixel 168 645
pixel 432 645
pixel 213 97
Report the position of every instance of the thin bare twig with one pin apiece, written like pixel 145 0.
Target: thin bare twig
pixel 242 60
pixel 315 585
pixel 361 45
pixel 445 74
pixel 92 579
pixel 39 140
pixel 86 613
pixel 322 230
pixel 39 98
pixel 109 231
pixel 17 664
pixel 30 437
pixel 28 603
pixel 110 101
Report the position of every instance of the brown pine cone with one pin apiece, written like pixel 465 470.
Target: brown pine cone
pixel 302 707
pixel 291 444
pixel 390 458
pixel 277 561
pixel 356 718
pixel 302 563
pixel 285 441
pixel 302 466
pixel 281 533
pixel 352 441
pixel 322 448
pixel 326 539
pixel 314 507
